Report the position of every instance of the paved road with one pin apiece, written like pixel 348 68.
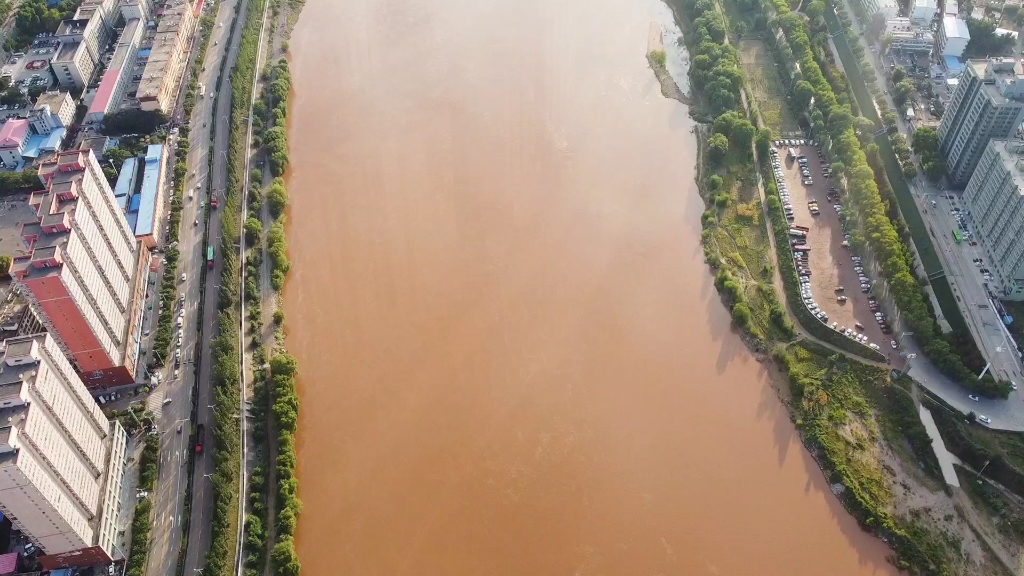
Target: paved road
pixel 202 497
pixel 165 541
pixel 1005 414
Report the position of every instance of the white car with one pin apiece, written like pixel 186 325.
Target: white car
pixel 984 419
pixel 183 276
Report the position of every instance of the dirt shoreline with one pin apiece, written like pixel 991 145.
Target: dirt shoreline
pixel 669 88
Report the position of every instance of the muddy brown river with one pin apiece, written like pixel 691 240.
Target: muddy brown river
pixel 513 358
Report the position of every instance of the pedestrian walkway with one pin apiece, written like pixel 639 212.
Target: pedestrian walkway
pixel 946 460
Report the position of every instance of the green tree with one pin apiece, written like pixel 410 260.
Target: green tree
pixel 898 74
pixel 815 10
pixel 803 92
pixel 253 227
pixel 277 197
pixel 934 170
pixel 926 141
pixel 718 147
pixel 743 136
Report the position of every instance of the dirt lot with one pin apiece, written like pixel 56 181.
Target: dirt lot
pixel 830 262
pixel 759 68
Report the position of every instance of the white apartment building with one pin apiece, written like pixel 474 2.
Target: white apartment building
pixel 953 37
pixel 167 57
pixel 918 41
pixel 897 26
pixel 61 460
pixel 137 10
pixel 887 8
pixel 116 79
pixel 74 65
pixel 995 197
pixel 85 274
pixel 988 103
pixel 57 110
pixel 922 11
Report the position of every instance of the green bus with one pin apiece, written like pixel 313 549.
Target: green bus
pixel 957 236
pixel 209 256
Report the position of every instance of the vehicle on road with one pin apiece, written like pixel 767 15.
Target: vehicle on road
pixel 974 397
pixel 167 401
pixel 984 419
pixel 183 276
pixel 209 257
pixel 894 344
pixel 200 431
pixel 179 428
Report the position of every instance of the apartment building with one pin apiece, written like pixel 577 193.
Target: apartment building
pixel 953 37
pixel 118 76
pixel 887 8
pixel 988 103
pixel 57 110
pixel 139 191
pixel 168 56
pixel 14 135
pixel 61 460
pixel 922 11
pixel 85 274
pixel 995 197
pixel 82 38
pixel 137 10
pixel 916 41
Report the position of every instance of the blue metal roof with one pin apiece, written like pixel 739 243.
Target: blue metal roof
pixel 953 63
pixel 51 143
pixel 147 193
pixel 33 146
pixel 125 182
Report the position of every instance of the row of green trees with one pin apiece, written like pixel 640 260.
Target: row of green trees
pixel 139 549
pixel 957 355
pixel 271 111
pixel 225 373
pixel 282 396
pixel 876 228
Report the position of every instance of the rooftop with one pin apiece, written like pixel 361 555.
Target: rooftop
pixel 54 99
pixel 67 51
pixel 148 192
pixel 13 132
pixel 1003 78
pixel 954 27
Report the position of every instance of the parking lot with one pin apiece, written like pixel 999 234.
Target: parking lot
pixel 833 285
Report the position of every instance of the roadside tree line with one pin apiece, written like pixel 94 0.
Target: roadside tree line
pixel 877 231
pixel 225 370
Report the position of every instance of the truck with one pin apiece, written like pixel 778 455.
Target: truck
pixel 200 432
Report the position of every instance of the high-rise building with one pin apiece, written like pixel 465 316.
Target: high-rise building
pixel 995 197
pixel 85 274
pixel 61 460
pixel 988 103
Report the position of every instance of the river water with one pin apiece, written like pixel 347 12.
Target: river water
pixel 513 358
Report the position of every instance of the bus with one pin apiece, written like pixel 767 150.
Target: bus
pixel 957 236
pixel 209 257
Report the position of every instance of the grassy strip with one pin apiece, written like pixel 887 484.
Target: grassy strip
pixel 839 405
pixel 735 235
pixel 280 394
pixel 996 452
pixel 140 539
pixel 138 552
pixel 225 369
